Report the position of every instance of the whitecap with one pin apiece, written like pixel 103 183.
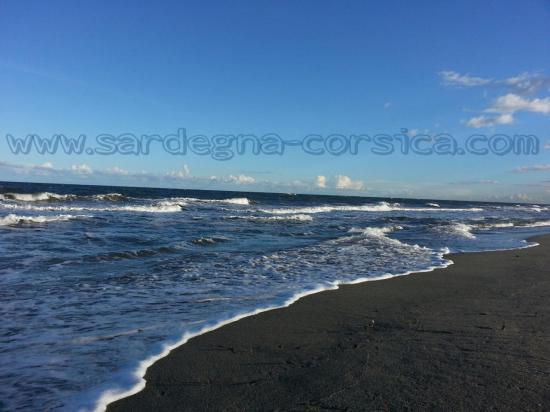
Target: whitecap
pixel 12 219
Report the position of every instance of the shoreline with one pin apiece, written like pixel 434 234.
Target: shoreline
pixel 112 395
pixel 163 370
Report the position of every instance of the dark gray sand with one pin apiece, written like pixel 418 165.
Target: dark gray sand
pixel 472 337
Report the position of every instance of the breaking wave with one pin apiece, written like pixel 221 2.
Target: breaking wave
pixel 160 207
pixel 35 197
pixel 243 201
pixel 458 229
pixel 379 207
pixel 287 218
pixel 13 220
pixel 538 224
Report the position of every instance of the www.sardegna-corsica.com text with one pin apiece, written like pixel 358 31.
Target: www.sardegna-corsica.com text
pixel 227 146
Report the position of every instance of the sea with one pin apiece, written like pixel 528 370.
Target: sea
pixel 98 282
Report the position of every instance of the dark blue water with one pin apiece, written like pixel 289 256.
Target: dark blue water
pixel 94 280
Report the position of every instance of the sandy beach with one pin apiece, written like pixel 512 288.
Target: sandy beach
pixel 473 336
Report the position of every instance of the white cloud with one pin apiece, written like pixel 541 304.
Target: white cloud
pixel 504 108
pixel 485 121
pixel 240 179
pixel 477 182
pixel 117 171
pixel 450 77
pixel 521 197
pixel 513 103
pixel 321 182
pixel 523 83
pixel 345 182
pixel 533 168
pixel 527 83
pixel 83 169
pixel 387 105
pixel 183 173
pixel 515 99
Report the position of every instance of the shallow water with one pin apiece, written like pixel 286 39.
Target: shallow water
pixel 94 280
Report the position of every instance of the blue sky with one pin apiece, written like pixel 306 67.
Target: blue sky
pixel 291 68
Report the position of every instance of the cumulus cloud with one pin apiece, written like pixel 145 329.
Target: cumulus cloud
pixel 345 182
pixel 183 173
pixel 321 182
pixel 82 169
pixel 513 103
pixel 506 106
pixel 484 121
pixel 521 197
pixel 517 97
pixel 241 179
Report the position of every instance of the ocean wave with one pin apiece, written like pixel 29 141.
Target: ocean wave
pixel 528 208
pixel 517 224
pixel 433 204
pixel 13 220
pixel 501 225
pixel 205 241
pixel 537 224
pixel 111 197
pixel 379 207
pixel 379 233
pixel 375 231
pixel 35 197
pixel 242 201
pixel 161 207
pixel 288 218
pixel 458 229
pixel 49 197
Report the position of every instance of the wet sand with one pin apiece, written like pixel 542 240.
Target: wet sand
pixel 471 337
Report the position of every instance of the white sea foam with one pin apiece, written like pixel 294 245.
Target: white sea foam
pixel 34 197
pixel 433 204
pixel 161 207
pixel 12 219
pixel 379 232
pixel 206 240
pixel 538 224
pixel 243 201
pixel 378 207
pixel 109 197
pixel 286 218
pixel 501 225
pixel 460 229
pixel 111 395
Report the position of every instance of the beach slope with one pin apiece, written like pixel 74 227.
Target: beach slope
pixel 474 336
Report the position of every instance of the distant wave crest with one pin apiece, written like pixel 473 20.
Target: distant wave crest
pixel 379 207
